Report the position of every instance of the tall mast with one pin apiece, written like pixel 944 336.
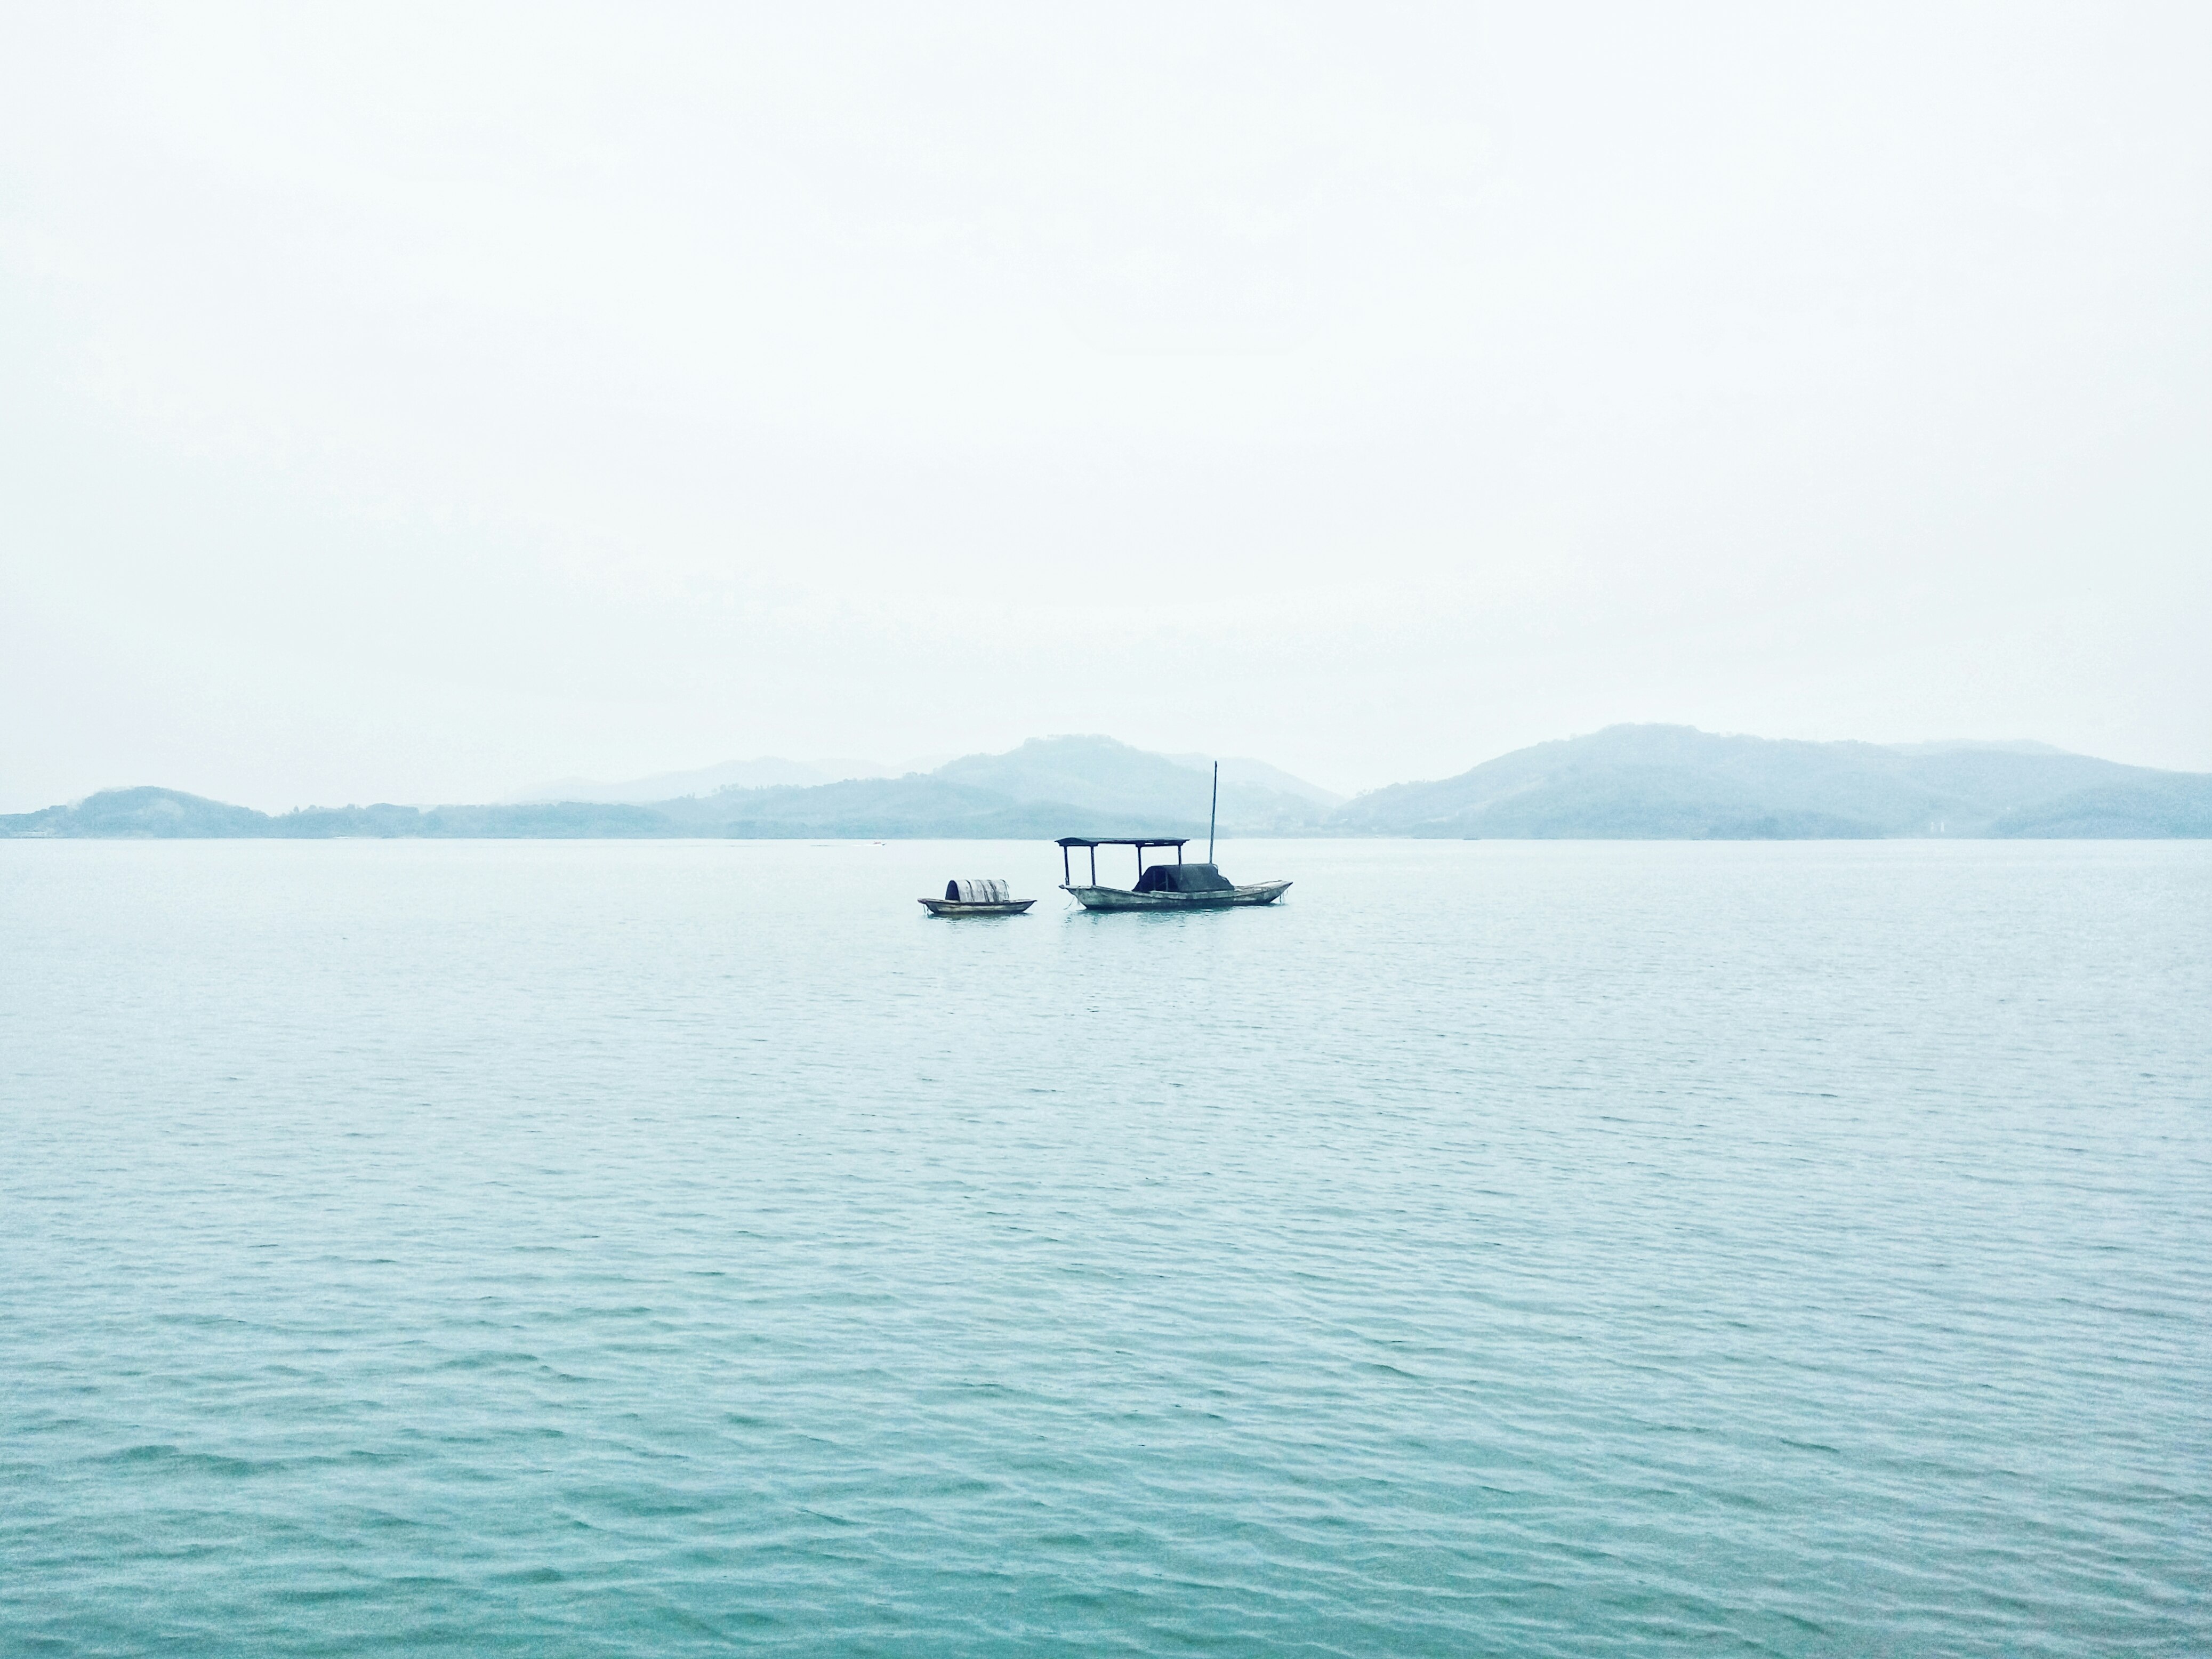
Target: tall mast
pixel 1213 812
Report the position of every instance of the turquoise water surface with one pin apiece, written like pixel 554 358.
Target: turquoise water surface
pixel 637 1248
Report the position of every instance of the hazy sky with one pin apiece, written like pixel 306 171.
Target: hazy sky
pixel 411 403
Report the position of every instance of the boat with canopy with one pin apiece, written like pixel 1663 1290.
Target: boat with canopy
pixel 1162 886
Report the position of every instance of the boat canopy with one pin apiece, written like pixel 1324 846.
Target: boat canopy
pixel 1184 878
pixel 982 889
pixel 1067 843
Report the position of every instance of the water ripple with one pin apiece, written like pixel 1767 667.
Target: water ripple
pixel 660 1249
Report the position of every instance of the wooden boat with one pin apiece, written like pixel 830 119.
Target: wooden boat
pixel 977 897
pixel 1178 886
pixel 1207 898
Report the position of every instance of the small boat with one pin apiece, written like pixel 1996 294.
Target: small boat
pixel 1178 886
pixel 980 898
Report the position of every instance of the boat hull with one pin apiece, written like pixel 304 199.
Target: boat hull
pixel 1121 898
pixel 959 907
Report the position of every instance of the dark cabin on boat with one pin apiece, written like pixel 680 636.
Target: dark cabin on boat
pixel 1183 879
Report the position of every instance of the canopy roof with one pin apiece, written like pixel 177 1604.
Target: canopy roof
pixel 1122 841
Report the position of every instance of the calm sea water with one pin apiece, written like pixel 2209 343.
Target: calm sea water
pixel 651 1249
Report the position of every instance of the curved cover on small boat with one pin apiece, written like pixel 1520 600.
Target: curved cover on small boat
pixel 982 889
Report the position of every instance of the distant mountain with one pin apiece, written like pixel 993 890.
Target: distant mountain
pixel 1674 782
pixel 1134 785
pixel 1639 782
pixel 2164 805
pixel 1953 745
pixel 1260 776
pixel 917 806
pixel 143 813
pixel 766 773
pixel 913 808
pixel 170 814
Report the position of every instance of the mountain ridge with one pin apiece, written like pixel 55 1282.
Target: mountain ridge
pixel 1640 782
pixel 1677 783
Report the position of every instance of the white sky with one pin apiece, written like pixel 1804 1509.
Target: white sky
pixel 411 403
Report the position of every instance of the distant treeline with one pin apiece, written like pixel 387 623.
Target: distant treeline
pixel 1630 782
pixel 171 813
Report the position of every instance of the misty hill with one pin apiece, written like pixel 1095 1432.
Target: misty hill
pixel 1124 791
pixel 1675 782
pixel 171 814
pixel 141 813
pixel 1242 769
pixel 768 772
pixel 1048 786
pixel 1953 745
pixel 2164 804
pixel 919 806
pixel 1151 793
pixel 1645 782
